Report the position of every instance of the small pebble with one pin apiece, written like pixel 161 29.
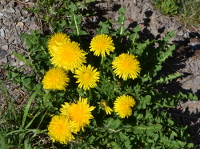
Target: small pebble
pixel 17 40
pixel 11 39
pixel 1 14
pixel 11 10
pixel 186 35
pixel 21 63
pixel 2 33
pixel 4 60
pixel 180 33
pixel 14 64
pixel 12 56
pixel 5 47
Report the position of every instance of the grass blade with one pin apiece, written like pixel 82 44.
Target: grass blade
pixel 28 107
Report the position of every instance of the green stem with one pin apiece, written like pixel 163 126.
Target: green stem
pixel 102 59
pixel 77 30
pixel 90 93
pixel 46 98
pixel 122 26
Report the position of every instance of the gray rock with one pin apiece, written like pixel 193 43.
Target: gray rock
pixel 21 63
pixel 2 53
pixel 186 35
pixel 11 39
pixel 2 41
pixel 10 10
pixel 11 4
pixel 8 21
pixel 12 56
pixel 5 47
pixel 180 33
pixel 2 33
pixel 4 60
pixel 25 20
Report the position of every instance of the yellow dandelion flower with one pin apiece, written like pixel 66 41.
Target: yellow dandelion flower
pixel 55 79
pixel 68 56
pixel 106 107
pixel 87 77
pixel 64 110
pixel 126 66
pixel 102 45
pixel 57 40
pixel 61 128
pixel 79 112
pixel 123 104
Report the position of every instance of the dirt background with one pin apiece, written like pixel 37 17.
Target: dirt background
pixel 154 25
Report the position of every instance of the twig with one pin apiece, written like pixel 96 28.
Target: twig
pixel 156 17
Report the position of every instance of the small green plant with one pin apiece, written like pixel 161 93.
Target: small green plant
pixel 96 94
pixel 168 7
pixel 56 13
pixel 189 13
pixel 186 11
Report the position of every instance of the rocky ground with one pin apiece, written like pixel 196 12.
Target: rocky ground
pixel 154 25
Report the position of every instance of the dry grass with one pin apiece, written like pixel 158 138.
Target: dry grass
pixel 190 14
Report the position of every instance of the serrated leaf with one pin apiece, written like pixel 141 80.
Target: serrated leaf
pixel 140 129
pixel 104 28
pixel 73 8
pixel 192 96
pixel 112 123
pixel 168 78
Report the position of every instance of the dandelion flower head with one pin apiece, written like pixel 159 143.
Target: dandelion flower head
pixel 79 112
pixel 107 109
pixel 87 77
pixel 123 104
pixel 64 110
pixel 61 128
pixel 102 45
pixel 55 79
pixel 57 40
pixel 126 66
pixel 69 56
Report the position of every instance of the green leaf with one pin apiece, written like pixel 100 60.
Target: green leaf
pixel 115 145
pixel 140 129
pixel 104 28
pixel 28 107
pixel 22 58
pixel 112 123
pixel 73 8
pixel 190 145
pixel 168 78
pixel 28 125
pixel 136 29
pixel 193 97
pixel 89 1
pixel 122 11
pixel 26 81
